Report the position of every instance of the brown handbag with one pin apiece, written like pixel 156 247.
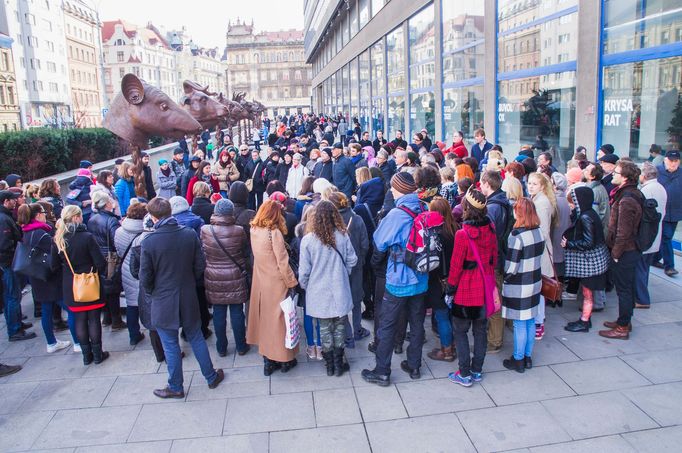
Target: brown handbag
pixel 85 286
pixel 551 286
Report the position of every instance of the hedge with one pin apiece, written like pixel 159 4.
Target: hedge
pixel 38 153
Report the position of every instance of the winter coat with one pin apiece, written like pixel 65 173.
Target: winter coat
pixel 144 298
pixel 272 278
pixel 242 215
pixel 377 144
pixel 673 186
pixel 655 190
pixel 85 256
pixel 372 193
pixel 223 279
pixel 344 175
pixel 626 213
pixel 109 191
pixel 190 220
pixel 226 175
pixel 215 188
pixel 322 273
pixel 203 208
pixel 358 237
pixel 499 213
pixel 255 170
pixel 324 170
pixel 179 169
pixel 523 274
pixel 601 203
pixel 148 182
pixel 282 172
pixel 130 229
pixel 388 169
pixel 301 202
pixel 545 212
pixel 125 191
pixel 83 184
pixel 57 205
pixel 10 234
pixel 562 224
pixel 460 150
pixel 479 153
pixel 295 179
pixel 170 281
pixel 464 274
pixel 103 226
pixel 39 235
pixel 167 184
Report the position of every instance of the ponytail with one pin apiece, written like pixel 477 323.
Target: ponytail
pixel 65 225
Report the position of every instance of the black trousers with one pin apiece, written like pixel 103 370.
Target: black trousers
pixel 623 274
pixel 391 308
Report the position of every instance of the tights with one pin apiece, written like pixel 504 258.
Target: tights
pixel 588 302
pixel 88 327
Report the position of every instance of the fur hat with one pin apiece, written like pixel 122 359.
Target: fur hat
pixel 178 205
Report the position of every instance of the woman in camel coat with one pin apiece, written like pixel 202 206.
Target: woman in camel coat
pixel 272 279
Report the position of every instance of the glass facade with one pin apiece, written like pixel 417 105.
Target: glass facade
pixel 639 24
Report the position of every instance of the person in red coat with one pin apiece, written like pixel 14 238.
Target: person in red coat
pixel 203 174
pixel 475 242
pixel 458 147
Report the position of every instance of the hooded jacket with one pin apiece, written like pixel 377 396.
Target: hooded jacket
pixel 83 184
pixel 344 175
pixel 626 213
pixel 39 235
pixel 10 234
pixel 103 226
pixel 239 195
pixel 372 193
pixel 586 233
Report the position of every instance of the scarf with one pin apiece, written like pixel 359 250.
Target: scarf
pixel 166 172
pixel 207 179
pixel 356 159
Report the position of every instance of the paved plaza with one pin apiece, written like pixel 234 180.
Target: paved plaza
pixel 585 393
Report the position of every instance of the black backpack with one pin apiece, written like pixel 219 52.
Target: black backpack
pixel 503 236
pixel 648 225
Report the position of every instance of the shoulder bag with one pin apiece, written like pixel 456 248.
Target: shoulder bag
pixel 85 285
pixel 245 274
pixel 112 282
pixel 32 262
pixel 249 182
pixel 551 286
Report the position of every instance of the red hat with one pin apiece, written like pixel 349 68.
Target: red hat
pixel 278 197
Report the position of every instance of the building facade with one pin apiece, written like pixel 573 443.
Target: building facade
pixel 269 67
pixel 576 73
pixel 196 63
pixel 10 119
pixel 143 51
pixel 84 63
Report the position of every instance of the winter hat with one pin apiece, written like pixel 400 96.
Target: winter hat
pixel 148 223
pixel 224 207
pixel 216 197
pixel 278 197
pixel 178 205
pixel 82 172
pixel 119 161
pixel 12 179
pixel 178 151
pixel 403 182
pixel 162 162
pixel 85 164
pixel 320 185
pixel 327 151
pixel 607 148
pixel 609 159
pixel 144 154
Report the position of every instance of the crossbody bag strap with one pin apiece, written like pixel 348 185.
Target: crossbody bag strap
pixel 123 258
pixel 340 256
pixel 476 255
pixel 551 260
pixel 225 250
pixel 66 255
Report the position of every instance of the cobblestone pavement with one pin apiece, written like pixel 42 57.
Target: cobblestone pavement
pixel 585 393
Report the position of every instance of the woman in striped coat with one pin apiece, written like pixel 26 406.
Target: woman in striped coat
pixel 523 282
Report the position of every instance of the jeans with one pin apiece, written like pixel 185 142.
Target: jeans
pixel 171 349
pixel 524 338
pixel 642 279
pixel 310 325
pixel 467 364
pixel 237 321
pixel 133 320
pixel 11 291
pixel 391 308
pixel 47 320
pixel 444 326
pixel 623 273
pixel 353 330
pixel 666 250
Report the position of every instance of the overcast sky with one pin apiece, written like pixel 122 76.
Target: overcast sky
pixel 207 21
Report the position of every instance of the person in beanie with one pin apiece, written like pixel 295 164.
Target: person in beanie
pixel 117 169
pixel 343 171
pixel 177 165
pixel 180 210
pixel 167 180
pixel 323 168
pixel 227 257
pixel 405 288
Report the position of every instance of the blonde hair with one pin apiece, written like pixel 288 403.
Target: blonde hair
pixel 548 190
pixel 201 190
pixel 31 191
pixel 495 154
pixel 362 175
pixel 66 225
pixel 512 187
pixel 447 174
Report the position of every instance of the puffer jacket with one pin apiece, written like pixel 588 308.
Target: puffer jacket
pixel 167 184
pixel 103 225
pixel 130 229
pixel 144 298
pixel 586 233
pixel 190 220
pixel 125 191
pixel 83 184
pixel 224 281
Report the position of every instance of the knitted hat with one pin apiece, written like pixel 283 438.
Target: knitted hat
pixel 177 151
pixel 403 182
pixel 85 164
pixel 162 162
pixel 215 197
pixel 119 161
pixel 148 223
pixel 609 158
pixel 475 198
pixel 327 151
pixel 320 185
pixel 224 207
pixel 178 205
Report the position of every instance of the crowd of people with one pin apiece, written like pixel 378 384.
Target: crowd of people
pixel 346 227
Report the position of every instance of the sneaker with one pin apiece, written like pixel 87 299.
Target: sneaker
pixel 459 379
pixel 77 348
pixel 539 331
pixel 311 352
pixel 568 296
pixel 476 377
pixel 59 345
pixel 361 334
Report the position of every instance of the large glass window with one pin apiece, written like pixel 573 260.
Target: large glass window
pixel 538 106
pixel 638 24
pixel 353 18
pixel 364 12
pixel 463 40
pixel 422 113
pixel 396 114
pixel 345 84
pixel 364 90
pixel 354 89
pixel 395 54
pixel 378 75
pixel 515 13
pixel 462 111
pixel 345 29
pixel 377 115
pixel 422 49
pixel 642 106
pixel 376 6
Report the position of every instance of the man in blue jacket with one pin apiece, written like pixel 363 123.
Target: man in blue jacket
pixel 670 177
pixel 405 288
pixel 343 171
pixel 481 147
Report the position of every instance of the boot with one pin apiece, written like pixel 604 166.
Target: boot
pixel 340 363
pixel 619 333
pixel 578 326
pixel 512 364
pixel 98 355
pixel 443 354
pixel 329 362
pixel 86 349
pixel 269 366
pixel 614 324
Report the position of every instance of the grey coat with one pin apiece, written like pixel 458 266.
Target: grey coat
pixel 360 241
pixel 322 273
pixel 562 224
pixel 601 203
pixel 130 228
pixel 167 184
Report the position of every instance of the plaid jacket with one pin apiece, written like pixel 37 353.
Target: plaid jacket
pixel 523 274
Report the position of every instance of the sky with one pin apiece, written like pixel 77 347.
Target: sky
pixel 207 22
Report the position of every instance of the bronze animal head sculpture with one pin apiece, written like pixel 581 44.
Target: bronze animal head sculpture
pixel 199 103
pixel 141 110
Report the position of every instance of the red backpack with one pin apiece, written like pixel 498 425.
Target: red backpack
pixel 424 249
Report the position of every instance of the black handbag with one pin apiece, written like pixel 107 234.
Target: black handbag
pixel 114 284
pixel 33 262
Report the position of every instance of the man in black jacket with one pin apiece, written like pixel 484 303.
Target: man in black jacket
pixel 308 143
pixel 379 141
pixel 171 283
pixel 148 181
pixel 255 170
pixel 10 234
pixel 398 141
pixel 178 167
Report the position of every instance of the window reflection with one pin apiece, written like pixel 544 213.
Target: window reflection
pixel 635 24
pixel 396 114
pixel 462 111
pixel 395 54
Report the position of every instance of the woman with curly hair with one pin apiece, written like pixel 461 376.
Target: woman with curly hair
pixel 327 251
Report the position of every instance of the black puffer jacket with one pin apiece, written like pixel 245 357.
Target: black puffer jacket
pixel 587 232
pixel 203 208
pixel 10 234
pixel 103 226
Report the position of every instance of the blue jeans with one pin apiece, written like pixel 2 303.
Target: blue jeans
pixel 133 321
pixel 171 349
pixel 642 279
pixel 48 325
pixel 444 326
pixel 237 321
pixel 666 250
pixel 308 323
pixel 11 291
pixel 524 338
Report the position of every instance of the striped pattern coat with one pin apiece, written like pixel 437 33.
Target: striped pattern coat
pixel 522 274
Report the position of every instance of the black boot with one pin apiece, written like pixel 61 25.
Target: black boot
pixel 329 362
pixel 287 366
pixel 578 326
pixel 269 366
pixel 512 364
pixel 340 363
pixel 86 349
pixel 98 355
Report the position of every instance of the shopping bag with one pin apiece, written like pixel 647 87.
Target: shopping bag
pixel 293 330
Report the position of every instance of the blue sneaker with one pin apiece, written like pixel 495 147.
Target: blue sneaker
pixel 476 377
pixel 459 379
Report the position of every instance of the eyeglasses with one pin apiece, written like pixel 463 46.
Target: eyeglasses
pixel 616 172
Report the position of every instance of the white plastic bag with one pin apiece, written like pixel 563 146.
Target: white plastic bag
pixel 293 329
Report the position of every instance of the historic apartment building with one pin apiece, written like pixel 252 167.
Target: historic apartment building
pixel 9 102
pixel 199 64
pixel 84 63
pixel 269 66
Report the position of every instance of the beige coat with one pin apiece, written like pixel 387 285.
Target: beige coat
pixel 225 176
pixel 272 277
pixel 546 213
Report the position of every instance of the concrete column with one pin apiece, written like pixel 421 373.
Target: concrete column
pixel 490 71
pixel 438 82
pixel 588 76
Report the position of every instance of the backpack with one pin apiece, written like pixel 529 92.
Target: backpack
pixel 648 225
pixel 502 238
pixel 423 252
